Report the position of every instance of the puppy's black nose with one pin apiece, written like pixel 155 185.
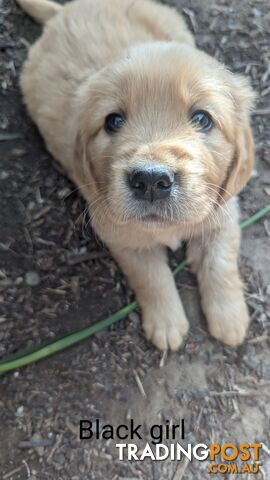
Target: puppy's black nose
pixel 151 183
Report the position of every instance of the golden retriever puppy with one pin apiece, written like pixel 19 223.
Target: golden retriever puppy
pixel 156 134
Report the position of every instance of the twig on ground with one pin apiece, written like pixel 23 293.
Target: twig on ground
pixel 261 111
pixel 139 383
pixel 12 472
pixel 87 257
pixel 27 468
pixel 4 136
pixel 163 359
pixel 243 393
pixel 55 447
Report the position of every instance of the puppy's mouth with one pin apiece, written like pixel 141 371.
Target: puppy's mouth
pixel 153 218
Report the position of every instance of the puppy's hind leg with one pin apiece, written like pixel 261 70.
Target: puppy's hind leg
pixel 148 273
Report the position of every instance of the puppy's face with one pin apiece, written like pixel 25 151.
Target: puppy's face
pixel 165 136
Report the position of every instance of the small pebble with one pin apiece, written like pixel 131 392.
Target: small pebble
pixel 133 317
pixel 32 279
pixel 60 458
pixel 63 193
pixel 4 175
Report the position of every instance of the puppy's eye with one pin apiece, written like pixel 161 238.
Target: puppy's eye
pixel 202 120
pixel 114 122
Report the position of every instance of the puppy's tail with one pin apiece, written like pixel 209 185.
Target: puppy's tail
pixel 40 10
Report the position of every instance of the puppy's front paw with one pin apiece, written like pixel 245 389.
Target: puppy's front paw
pixel 165 327
pixel 228 320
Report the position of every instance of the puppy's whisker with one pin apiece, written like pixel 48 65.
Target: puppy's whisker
pixel 81 187
pixel 219 188
pixel 219 154
pixel 76 221
pixel 222 208
pixel 216 193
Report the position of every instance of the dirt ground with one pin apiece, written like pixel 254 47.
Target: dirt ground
pixel 222 393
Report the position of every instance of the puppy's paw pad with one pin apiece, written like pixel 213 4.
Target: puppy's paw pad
pixel 228 319
pixel 175 337
pixel 232 336
pixel 159 339
pixel 165 332
pixel 230 328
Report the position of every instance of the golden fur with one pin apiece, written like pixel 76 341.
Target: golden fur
pixel 137 57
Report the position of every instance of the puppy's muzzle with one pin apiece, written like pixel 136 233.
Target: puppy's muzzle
pixel 151 184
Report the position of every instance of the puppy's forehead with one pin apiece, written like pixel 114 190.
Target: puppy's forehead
pixel 165 73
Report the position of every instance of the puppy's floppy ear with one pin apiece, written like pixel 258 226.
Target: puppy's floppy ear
pixel 243 160
pixel 81 163
pixel 80 152
pixel 84 166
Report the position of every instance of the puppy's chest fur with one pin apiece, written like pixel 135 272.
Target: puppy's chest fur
pixel 168 237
